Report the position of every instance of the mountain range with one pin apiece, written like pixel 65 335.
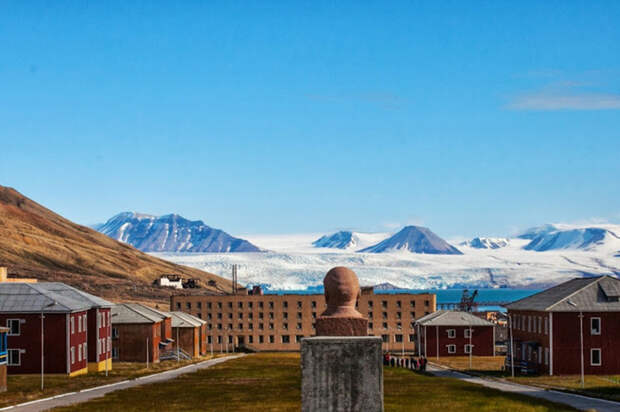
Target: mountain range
pixel 171 233
pixel 486 243
pixel 416 239
pixel 38 243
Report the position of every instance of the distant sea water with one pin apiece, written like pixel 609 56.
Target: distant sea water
pixel 443 295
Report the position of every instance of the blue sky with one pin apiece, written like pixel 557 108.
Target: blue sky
pixel 472 118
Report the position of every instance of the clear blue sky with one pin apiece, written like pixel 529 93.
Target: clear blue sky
pixel 472 118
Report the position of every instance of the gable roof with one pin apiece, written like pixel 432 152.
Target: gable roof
pixel 135 313
pixel 185 320
pixel 452 318
pixel 594 294
pixel 36 297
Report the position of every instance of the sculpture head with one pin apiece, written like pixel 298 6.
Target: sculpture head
pixel 342 290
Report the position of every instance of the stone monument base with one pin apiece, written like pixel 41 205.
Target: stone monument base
pixel 338 326
pixel 343 373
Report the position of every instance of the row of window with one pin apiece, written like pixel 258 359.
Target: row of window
pixel 467 348
pixel 81 353
pixel 467 333
pixel 538 324
pixel 595 355
pixel 81 321
pixel 285 326
pixel 285 304
pixel 397 338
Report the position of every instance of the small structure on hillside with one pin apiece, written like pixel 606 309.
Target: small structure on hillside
pixel 4 277
pixel 170 281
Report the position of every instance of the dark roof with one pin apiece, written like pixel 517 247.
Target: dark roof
pixel 136 313
pixel 18 297
pixel 594 294
pixel 452 318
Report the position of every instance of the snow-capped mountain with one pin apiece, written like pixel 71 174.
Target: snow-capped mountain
pixel 414 239
pixel 585 238
pixel 536 231
pixel 486 243
pixel 339 240
pixel 171 233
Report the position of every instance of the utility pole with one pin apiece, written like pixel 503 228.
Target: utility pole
pixel 147 353
pixel 581 343
pixel 471 348
pixel 512 357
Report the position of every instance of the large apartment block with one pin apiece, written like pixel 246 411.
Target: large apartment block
pixel 278 322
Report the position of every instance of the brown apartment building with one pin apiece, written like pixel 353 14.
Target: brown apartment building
pixel 278 322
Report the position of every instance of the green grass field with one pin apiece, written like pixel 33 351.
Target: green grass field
pixel 271 382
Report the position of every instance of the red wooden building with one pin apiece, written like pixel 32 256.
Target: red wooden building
pixel 452 333
pixel 140 333
pixel 548 328
pixel 55 314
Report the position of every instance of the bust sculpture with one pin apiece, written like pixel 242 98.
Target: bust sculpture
pixel 342 290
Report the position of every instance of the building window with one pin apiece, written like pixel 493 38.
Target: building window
pixel 285 326
pixel 399 315
pixel 261 339
pixel 79 352
pixel 451 348
pixel 271 305
pixel 230 339
pixel 468 348
pixel 188 305
pixel 72 325
pixel 72 355
pixel 399 326
pixel 595 326
pixel 384 303
pixel 114 333
pixel 384 325
pixel 229 305
pixel 313 315
pixel 369 325
pixel 219 339
pixel 178 305
pixel 114 353
pixel 271 326
pixel 427 303
pixel 468 333
pixel 240 326
pixel 250 339
pixel 595 357
pixel 546 326
pixel 298 325
pixel 539 325
pixel 546 356
pixel 398 338
pixel 219 305
pixel 412 303
pixel 208 316
pixel 14 357
pixel 285 305
pixel 260 305
pixel 412 314
pixel 230 316
pixel 385 338
pixel 261 326
pixel 219 326
pixel 240 315
pixel 250 326
pixel 250 305
pixel 370 303
pixel 14 327
pixel 261 315
pixel 451 333
pixel 209 339
pixel 199 315
pixel 369 315
pixel 298 338
pixel 299 304
pixel 384 314
pixel 314 304
pixel 411 338
pixel 240 305
pixel 219 316
pixel 250 315
pixel 208 305
pixel 298 315
pixel 286 339
pixel 199 305
pixel 529 323
pixel 230 326
pixel 285 315
pixel 272 339
pixel 270 315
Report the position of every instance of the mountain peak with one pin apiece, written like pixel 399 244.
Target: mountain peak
pixel 416 239
pixel 171 233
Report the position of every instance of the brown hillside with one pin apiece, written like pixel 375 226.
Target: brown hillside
pixel 36 242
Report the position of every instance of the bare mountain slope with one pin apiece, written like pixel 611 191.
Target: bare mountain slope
pixel 36 242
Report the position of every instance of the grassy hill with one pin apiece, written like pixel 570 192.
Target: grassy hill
pixel 36 242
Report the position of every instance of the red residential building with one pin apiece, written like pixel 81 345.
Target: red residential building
pixel 451 333
pixel 140 333
pixel 548 328
pixel 53 313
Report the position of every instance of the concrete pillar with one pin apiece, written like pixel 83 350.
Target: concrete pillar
pixel 343 373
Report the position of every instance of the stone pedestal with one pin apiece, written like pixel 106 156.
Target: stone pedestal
pixel 342 373
pixel 338 326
